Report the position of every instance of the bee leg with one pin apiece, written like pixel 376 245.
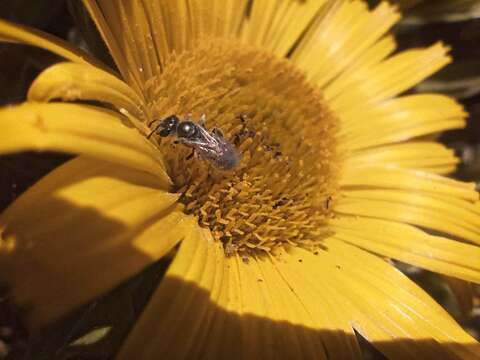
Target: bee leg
pixel 150 123
pixel 191 154
pixel 218 132
pixel 203 120
pixel 183 142
pixel 151 133
pixel 186 143
pixel 243 118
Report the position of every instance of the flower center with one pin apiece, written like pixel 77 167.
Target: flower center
pixel 281 191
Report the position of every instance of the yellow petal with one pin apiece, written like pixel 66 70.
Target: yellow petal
pixel 422 155
pixel 71 81
pixel 77 129
pixel 383 305
pixel 80 231
pixel 400 119
pixel 160 32
pixel 270 24
pixel 213 307
pixel 141 35
pixel 122 59
pixel 343 35
pixel 410 245
pixel 126 31
pixel 373 55
pixel 295 306
pixel 391 177
pixel 181 300
pixel 445 214
pixel 22 34
pixel 389 78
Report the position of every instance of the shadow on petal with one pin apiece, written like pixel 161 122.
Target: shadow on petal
pixel 220 334
pixel 203 330
pixel 51 270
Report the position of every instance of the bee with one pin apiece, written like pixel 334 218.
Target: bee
pixel 210 145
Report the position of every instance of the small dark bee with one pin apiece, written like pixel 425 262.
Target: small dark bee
pixel 210 145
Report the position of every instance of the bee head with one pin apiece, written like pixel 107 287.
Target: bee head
pixel 168 126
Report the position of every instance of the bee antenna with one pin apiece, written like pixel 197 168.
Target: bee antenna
pixel 153 121
pixel 151 133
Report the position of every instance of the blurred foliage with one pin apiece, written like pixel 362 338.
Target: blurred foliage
pixel 31 12
pixel 96 330
pixel 89 32
pixel 406 4
pixel 437 10
pixel 20 64
pixel 423 11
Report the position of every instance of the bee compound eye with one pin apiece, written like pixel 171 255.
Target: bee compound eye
pixel 186 129
pixel 170 121
pixel 165 132
pixel 167 126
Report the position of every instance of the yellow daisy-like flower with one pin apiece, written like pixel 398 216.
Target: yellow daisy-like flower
pixel 285 256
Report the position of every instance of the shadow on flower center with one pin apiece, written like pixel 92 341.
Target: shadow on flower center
pixel 283 188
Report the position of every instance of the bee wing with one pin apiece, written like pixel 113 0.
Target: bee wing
pixel 206 139
pixel 216 149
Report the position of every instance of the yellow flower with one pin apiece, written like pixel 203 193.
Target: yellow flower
pixel 288 254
